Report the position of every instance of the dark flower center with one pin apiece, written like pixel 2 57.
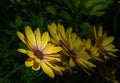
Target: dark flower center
pixel 39 54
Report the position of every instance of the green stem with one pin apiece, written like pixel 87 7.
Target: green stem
pixel 38 75
pixel 13 71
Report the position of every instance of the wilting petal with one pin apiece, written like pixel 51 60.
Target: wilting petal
pixel 29 62
pixel 22 51
pixel 100 32
pixel 47 70
pixel 30 36
pixel 95 33
pixel 112 54
pixel 36 66
pixel 21 36
pixel 45 39
pixel 38 37
pixel 107 41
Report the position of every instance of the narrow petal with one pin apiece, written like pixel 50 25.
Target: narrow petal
pixel 36 66
pixel 71 62
pixel 73 37
pixel 54 67
pixel 53 59
pixel 111 48
pixel 38 37
pixel 100 32
pixel 30 54
pixel 62 30
pixel 45 39
pixel 21 36
pixel 53 30
pixel 52 50
pixel 30 36
pixel 112 54
pixel 88 44
pixel 107 41
pixel 22 51
pixel 68 34
pixel 29 62
pixel 95 33
pixel 47 70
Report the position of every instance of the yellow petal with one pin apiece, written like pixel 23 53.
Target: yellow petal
pixel 54 67
pixel 30 54
pixel 61 68
pixel 71 62
pixel 52 49
pixel 47 70
pixel 53 58
pixel 86 63
pixel 36 66
pixel 95 33
pixel 38 37
pixel 45 39
pixel 21 36
pixel 22 51
pixel 29 62
pixel 112 54
pixel 37 60
pixel 100 32
pixel 77 42
pixel 62 30
pixel 30 36
pixel 107 41
pixel 88 44
pixel 73 37
pixel 52 29
pixel 111 48
pixel 68 34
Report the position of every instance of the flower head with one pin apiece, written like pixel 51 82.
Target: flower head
pixel 104 44
pixel 91 50
pixel 72 45
pixel 42 54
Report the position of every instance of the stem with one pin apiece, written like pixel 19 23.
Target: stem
pixel 13 71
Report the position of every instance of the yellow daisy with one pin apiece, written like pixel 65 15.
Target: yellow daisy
pixel 91 50
pixel 104 44
pixel 42 54
pixel 71 44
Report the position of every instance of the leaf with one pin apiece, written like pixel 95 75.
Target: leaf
pixel 65 15
pixel 51 10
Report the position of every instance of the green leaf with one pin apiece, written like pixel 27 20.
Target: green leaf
pixel 51 10
pixel 65 15
pixel 96 7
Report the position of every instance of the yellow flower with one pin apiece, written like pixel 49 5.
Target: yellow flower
pixel 72 45
pixel 104 44
pixel 42 54
pixel 91 50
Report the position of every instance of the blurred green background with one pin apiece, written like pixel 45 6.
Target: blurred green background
pixel 80 14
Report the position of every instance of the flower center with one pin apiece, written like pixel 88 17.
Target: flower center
pixel 39 54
